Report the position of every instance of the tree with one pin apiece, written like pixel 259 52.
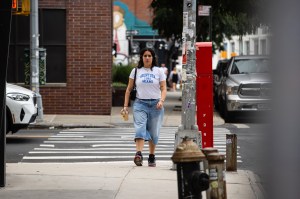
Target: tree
pixel 229 17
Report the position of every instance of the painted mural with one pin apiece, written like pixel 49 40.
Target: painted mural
pixel 119 36
pixel 124 20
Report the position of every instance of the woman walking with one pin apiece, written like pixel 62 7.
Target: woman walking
pixel 174 79
pixel 148 107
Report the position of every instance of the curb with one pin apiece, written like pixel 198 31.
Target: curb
pixel 256 185
pixel 66 126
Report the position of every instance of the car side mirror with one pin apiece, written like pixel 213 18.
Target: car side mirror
pixel 217 80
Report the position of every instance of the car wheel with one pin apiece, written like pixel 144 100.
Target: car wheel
pixel 217 107
pixel 227 115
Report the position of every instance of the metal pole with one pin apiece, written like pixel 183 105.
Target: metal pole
pixel 188 67
pixel 231 152
pixel 188 127
pixel 131 43
pixel 210 23
pixel 34 55
pixel 5 21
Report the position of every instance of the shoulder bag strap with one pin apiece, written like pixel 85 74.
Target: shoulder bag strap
pixel 134 78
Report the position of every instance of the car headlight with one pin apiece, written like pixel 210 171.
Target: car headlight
pixel 18 96
pixel 232 90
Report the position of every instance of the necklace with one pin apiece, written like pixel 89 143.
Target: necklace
pixel 147 69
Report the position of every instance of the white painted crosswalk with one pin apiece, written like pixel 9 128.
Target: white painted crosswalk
pixel 107 144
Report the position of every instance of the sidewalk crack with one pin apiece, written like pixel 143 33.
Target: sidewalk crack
pixel 118 191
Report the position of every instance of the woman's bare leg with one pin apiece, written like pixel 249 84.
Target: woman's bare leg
pixel 139 144
pixel 151 147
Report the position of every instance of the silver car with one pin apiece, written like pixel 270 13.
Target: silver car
pixel 245 85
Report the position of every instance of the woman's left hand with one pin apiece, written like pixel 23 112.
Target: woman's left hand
pixel 160 104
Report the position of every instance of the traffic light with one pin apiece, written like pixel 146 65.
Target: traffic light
pixel 14 4
pixel 26 6
pixel 24 10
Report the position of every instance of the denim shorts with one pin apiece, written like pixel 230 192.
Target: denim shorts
pixel 147 119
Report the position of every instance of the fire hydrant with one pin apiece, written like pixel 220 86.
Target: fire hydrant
pixel 191 181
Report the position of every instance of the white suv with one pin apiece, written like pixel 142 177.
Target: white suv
pixel 21 107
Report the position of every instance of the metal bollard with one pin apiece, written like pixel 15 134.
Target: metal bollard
pixel 217 179
pixel 206 152
pixel 191 181
pixel 231 152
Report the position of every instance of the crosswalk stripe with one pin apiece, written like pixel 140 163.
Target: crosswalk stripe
pixel 96 149
pixel 120 145
pixel 109 144
pixel 90 152
pixel 84 157
pixel 241 126
pixel 47 145
pixel 67 136
pixel 93 140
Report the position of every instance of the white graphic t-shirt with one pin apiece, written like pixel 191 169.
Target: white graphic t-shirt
pixel 147 82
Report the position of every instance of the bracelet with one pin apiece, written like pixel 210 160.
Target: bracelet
pixel 125 106
pixel 162 100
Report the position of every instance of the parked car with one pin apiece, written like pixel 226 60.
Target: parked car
pixel 245 86
pixel 21 107
pixel 218 73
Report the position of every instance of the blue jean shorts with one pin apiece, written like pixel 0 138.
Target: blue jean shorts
pixel 147 119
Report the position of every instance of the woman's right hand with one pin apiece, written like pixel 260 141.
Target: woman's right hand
pixel 124 113
pixel 124 109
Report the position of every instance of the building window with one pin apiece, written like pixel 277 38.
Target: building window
pixel 52 30
pixel 232 47
pixel 255 46
pixel 247 43
pixel 263 44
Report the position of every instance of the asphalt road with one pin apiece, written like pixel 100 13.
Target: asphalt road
pixel 20 143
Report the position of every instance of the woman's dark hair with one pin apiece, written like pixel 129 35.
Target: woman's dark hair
pixel 141 63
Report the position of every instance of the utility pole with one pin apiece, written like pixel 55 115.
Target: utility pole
pixel 188 127
pixel 5 24
pixel 34 55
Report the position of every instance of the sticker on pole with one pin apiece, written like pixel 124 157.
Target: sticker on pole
pixel 203 10
pixel 228 141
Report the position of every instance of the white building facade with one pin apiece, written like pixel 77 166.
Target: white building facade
pixel 257 43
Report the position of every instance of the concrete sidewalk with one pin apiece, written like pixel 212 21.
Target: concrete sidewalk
pixel 116 180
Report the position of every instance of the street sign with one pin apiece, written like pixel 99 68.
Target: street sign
pixel 132 32
pixel 203 10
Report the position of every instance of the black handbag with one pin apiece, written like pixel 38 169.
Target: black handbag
pixel 133 91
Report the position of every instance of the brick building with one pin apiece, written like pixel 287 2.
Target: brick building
pixel 77 35
pixel 78 38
